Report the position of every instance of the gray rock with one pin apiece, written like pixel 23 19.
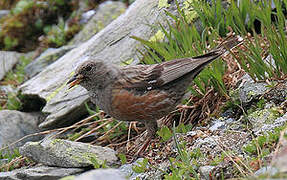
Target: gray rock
pixel 266 120
pixel 205 171
pixel 112 44
pixel 81 9
pixel 128 171
pixel 212 145
pixel 15 125
pixel 152 173
pixel 104 15
pixel 221 124
pixel 8 59
pixel 102 174
pixel 4 13
pixel 251 91
pixel 46 58
pixel 217 125
pixel 39 173
pixel 278 94
pixel 64 153
pixel 191 133
pixel 8 89
pixel 87 16
pixel 269 170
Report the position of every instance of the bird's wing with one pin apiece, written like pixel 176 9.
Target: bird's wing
pixel 177 68
pixel 140 77
pixel 147 77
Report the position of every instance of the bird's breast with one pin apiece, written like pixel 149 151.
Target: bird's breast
pixel 129 105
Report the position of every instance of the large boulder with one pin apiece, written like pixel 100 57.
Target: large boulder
pixel 113 45
pixel 104 15
pixel 64 153
pixel 46 58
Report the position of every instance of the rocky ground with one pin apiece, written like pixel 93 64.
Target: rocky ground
pixel 247 137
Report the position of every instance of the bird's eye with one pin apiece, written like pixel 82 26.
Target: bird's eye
pixel 88 68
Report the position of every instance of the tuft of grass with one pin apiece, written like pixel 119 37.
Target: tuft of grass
pixel 252 17
pixel 184 40
pixel 15 77
pixel 98 164
pixel 12 159
pixel 58 35
pixel 21 29
pixel 183 165
pixel 142 166
pixel 165 133
pixel 123 158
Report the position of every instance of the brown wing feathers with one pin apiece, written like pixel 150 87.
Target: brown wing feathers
pixel 161 74
pixel 179 67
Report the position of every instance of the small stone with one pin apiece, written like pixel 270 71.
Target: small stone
pixel 191 133
pixel 8 89
pixel 4 13
pixel 102 174
pixel 205 171
pixel 251 91
pixel 87 16
pixel 218 125
pixel 128 171
pixel 269 170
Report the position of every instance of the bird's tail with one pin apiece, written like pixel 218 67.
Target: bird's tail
pixel 228 44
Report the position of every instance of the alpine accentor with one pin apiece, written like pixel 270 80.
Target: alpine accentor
pixel 143 93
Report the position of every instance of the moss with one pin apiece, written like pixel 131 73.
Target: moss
pixel 163 4
pixel 189 12
pixel 234 94
pixel 250 94
pixel 54 93
pixel 268 115
pixel 68 178
pixel 34 143
pixel 4 4
pixel 159 36
pixel 127 62
pixel 56 141
pixel 86 157
pixel 17 31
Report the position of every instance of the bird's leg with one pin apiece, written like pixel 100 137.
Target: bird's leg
pixel 151 127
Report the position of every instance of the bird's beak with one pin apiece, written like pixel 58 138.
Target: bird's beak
pixel 76 79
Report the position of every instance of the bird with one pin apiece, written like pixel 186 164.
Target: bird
pixel 143 93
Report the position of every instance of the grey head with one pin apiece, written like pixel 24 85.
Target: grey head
pixel 93 75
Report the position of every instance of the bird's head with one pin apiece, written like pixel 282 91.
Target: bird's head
pixel 89 74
